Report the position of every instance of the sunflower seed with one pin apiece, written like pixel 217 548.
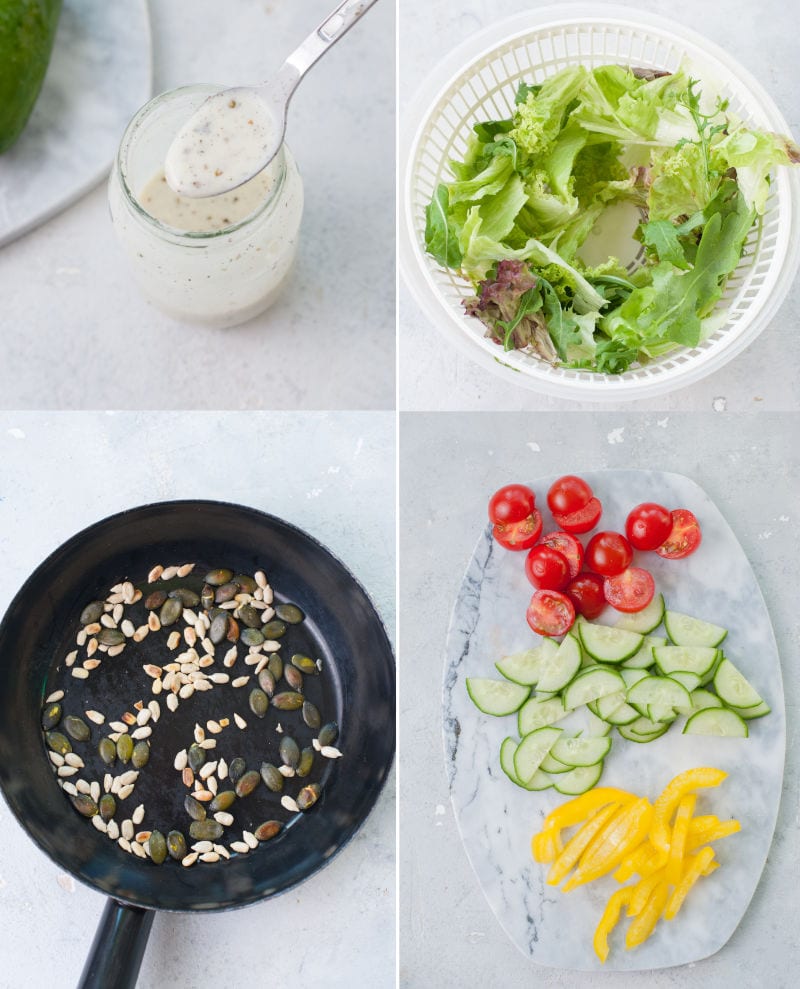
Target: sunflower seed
pixel 73 759
pixel 189 859
pixel 67 770
pixel 286 771
pixel 174 639
pixel 70 658
pixel 206 796
pixel 137 849
pixel 219 678
pixel 95 716
pixel 208 743
pixel 79 673
pixel 224 818
pixel 155 710
pixel 230 657
pixel 181 760
pixel 187 776
pixel 140 633
pixel 250 839
pixel 143 836
pixel 240 846
pixel 140 733
pixel 70 788
pixel 57 695
pixel 83 786
pixel 127 829
pixel 125 792
pixel 56 758
pixel 240 722
pixel 99 823
pixel 172 702
pixel 207 770
pixel 169 572
pixel 214 727
pixel 153 622
pixel 289 803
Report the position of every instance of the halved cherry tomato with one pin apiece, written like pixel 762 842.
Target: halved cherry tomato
pixel 648 525
pixel 512 503
pixel 586 593
pixel 583 520
pixel 608 553
pixel 519 535
pixel 631 590
pixel 569 547
pixel 547 568
pixel 684 537
pixel 550 613
pixel 568 494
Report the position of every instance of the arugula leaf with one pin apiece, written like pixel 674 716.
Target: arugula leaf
pixel 662 237
pixel 561 323
pixel 441 239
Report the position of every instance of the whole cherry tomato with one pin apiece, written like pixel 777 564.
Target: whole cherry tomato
pixel 586 593
pixel 547 568
pixel 568 494
pixel 608 553
pixel 648 525
pixel 512 503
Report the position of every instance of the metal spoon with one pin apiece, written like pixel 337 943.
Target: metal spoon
pixel 236 133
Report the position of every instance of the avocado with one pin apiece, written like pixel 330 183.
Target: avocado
pixel 27 31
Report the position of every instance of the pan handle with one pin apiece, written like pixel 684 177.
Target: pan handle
pixel 118 947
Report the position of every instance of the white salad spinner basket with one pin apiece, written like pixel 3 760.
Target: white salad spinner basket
pixel 479 80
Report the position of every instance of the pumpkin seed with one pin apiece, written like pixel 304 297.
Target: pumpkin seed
pixel 207 596
pixel 124 748
pixel 194 808
pixel 311 715
pixel 272 778
pixel 306 762
pixel 157 847
pixel 51 716
pixel 247 783
pixel 267 830
pixel 236 769
pixel 305 664
pixel 289 613
pixel 250 616
pixel 308 796
pixel 328 733
pixel 77 728
pixel 107 807
pixel 233 630
pixel 267 682
pixel 108 751
pixel 185 594
pixel 171 611
pixel 222 801
pixel 92 613
pixel 227 592
pixel 252 637
pixel 289 752
pixel 197 756
pixel 58 743
pixel 288 701
pixel 259 702
pixel 219 628
pixel 176 845
pixel 275 666
pixel 84 804
pixel 274 629
pixel 294 678
pixel 110 637
pixel 246 582
pixel 205 830
pixel 218 577
pixel 154 600
pixel 141 754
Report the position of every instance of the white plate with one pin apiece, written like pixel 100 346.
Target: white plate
pixel 99 75
pixel 497 819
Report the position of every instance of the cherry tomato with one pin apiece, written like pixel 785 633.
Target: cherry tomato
pixel 648 525
pixel 569 547
pixel 547 568
pixel 608 553
pixel 519 535
pixel 568 494
pixel 684 538
pixel 583 520
pixel 586 593
pixel 631 590
pixel 550 613
pixel 513 503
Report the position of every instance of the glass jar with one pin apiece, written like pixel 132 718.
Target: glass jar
pixel 220 278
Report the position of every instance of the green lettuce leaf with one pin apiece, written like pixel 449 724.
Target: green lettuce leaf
pixel 539 119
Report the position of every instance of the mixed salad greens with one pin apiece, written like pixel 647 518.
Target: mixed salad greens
pixel 531 189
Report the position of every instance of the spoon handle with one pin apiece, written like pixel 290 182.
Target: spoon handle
pixel 336 24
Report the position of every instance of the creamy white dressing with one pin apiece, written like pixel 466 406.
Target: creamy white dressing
pixel 207 215
pixel 223 144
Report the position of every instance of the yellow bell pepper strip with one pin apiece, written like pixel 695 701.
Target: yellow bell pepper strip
pixel 642 892
pixel 625 830
pixel 576 845
pixel 677 844
pixel 712 866
pixel 671 795
pixel 644 924
pixel 703 822
pixel 696 865
pixel 578 809
pixel 632 863
pixel 609 921
pixel 543 846
pixel 722 830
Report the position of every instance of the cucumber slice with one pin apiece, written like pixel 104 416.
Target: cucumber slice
pixel 689 680
pixel 590 685
pixel 537 713
pixel 531 751
pixel 558 670
pixel 647 619
pixel 522 667
pixel 540 781
pixel 659 697
pixel 749 713
pixel 619 714
pixel 733 688
pixel 644 657
pixel 605 705
pixel 507 749
pixel 609 645
pixel 578 780
pixel 632 676
pixel 595 727
pixel 691 659
pixel 642 730
pixel 580 751
pixel 704 698
pixel 717 721
pixel 496 697
pixel 684 630
pixel 551 765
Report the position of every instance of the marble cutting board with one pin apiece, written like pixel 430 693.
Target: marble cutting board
pixel 99 75
pixel 497 819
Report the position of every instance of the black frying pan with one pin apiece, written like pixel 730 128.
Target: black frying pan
pixel 357 690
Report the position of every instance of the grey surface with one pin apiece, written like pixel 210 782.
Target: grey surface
pixel 762 37
pixel 77 333
pixel 449 466
pixel 330 474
